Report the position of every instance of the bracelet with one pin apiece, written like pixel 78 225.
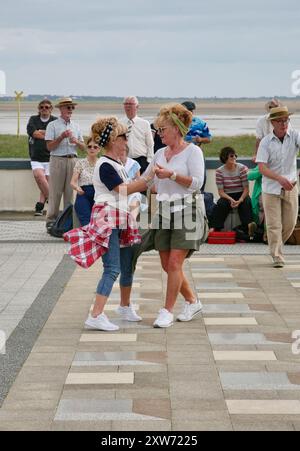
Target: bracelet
pixel 148 180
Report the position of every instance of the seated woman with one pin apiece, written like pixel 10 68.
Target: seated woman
pixel 82 182
pixel 233 188
pixel 112 229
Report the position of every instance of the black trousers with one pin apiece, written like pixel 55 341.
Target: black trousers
pixel 143 163
pixel 223 208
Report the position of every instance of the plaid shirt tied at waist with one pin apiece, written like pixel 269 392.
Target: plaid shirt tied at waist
pixel 90 242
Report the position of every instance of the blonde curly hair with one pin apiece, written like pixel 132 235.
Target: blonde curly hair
pixel 181 112
pixel 102 124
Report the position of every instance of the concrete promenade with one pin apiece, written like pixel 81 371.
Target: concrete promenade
pixel 235 367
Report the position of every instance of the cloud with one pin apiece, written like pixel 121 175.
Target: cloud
pixel 158 47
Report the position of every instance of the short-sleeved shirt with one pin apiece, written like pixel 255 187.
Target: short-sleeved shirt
pixel 108 174
pixel 55 129
pixel 85 170
pixel 37 147
pixel 198 128
pixel 281 158
pixel 232 181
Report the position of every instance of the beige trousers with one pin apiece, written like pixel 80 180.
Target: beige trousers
pixel 281 214
pixel 61 171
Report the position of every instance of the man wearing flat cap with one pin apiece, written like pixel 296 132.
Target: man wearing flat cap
pixel 277 160
pixel 63 137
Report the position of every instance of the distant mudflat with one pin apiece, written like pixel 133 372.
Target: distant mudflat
pixel 224 117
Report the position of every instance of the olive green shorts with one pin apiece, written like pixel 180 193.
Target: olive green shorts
pixel 177 231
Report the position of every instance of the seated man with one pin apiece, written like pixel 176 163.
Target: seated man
pixel 233 187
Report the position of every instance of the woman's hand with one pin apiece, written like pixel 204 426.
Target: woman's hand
pixel 162 173
pixel 80 191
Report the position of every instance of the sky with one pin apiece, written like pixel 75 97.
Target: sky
pixel 164 48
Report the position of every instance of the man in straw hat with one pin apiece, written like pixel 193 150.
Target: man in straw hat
pixel 63 136
pixel 277 160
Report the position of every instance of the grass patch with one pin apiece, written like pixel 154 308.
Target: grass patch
pixel 13 147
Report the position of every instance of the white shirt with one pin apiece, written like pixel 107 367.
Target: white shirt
pixel 55 129
pixel 280 158
pixel 188 163
pixel 140 139
pixel 102 193
pixel 263 127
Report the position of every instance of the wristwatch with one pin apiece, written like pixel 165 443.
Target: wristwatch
pixel 173 177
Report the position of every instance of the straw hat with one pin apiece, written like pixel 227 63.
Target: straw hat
pixel 65 101
pixel 279 112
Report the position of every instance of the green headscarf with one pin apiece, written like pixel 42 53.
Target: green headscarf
pixel 182 128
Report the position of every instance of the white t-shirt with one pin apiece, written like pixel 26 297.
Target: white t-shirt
pixel 102 193
pixel 280 158
pixel 188 163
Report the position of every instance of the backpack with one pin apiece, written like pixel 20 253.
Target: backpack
pixel 63 223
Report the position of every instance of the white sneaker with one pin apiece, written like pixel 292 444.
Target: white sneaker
pixel 100 323
pixel 128 313
pixel 164 319
pixel 189 311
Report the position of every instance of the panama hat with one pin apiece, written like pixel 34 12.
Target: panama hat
pixel 65 101
pixel 279 112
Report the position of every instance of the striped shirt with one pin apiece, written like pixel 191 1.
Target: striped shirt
pixel 232 181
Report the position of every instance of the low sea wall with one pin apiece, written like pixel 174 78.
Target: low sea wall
pixel 18 190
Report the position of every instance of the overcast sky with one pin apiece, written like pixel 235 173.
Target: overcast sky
pixel 163 48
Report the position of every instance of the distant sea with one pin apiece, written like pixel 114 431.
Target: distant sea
pixel 220 125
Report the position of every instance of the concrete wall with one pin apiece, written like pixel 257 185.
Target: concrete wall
pixel 18 190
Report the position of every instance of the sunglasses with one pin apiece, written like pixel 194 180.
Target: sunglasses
pixel 282 121
pixel 70 107
pixel 232 156
pixel 122 136
pixel 45 107
pixel 161 130
pixel 92 147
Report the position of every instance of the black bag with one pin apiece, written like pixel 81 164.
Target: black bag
pixel 63 223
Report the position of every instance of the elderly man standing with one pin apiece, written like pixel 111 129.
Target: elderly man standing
pixel 277 160
pixel 39 154
pixel 139 135
pixel 63 136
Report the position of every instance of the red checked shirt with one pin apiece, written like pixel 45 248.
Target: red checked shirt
pixel 90 242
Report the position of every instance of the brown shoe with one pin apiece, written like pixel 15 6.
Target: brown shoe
pixel 252 227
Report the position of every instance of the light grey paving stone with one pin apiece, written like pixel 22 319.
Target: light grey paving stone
pixel 226 308
pixel 240 339
pixel 108 358
pixel 91 410
pixel 257 381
